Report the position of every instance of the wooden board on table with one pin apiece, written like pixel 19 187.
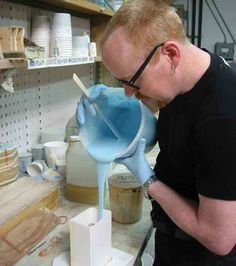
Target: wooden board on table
pixel 23 197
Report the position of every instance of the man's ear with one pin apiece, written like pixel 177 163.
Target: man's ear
pixel 172 50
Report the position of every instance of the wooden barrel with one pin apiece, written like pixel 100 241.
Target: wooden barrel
pixel 126 198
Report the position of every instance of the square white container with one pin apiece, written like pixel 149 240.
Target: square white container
pixel 90 238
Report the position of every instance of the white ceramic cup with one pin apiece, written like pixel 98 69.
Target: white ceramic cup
pixel 36 168
pixel 55 151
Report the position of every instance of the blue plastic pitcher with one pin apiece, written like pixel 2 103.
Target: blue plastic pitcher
pixel 117 127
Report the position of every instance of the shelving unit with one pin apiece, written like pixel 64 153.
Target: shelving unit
pixel 99 17
pixel 45 94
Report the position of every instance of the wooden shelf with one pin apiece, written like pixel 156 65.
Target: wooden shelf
pixel 82 6
pixel 12 63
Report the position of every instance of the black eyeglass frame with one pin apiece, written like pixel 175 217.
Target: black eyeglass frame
pixel 138 73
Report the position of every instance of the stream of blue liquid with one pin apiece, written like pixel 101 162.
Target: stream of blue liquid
pixel 104 152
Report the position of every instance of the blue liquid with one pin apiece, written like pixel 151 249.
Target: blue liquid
pixel 104 152
pixel 102 170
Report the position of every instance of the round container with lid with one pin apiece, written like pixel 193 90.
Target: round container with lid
pixel 126 198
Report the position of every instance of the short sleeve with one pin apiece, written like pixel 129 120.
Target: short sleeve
pixel 216 158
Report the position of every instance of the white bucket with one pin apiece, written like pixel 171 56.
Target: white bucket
pixel 131 120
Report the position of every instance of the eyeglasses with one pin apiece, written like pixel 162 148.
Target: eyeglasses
pixel 131 82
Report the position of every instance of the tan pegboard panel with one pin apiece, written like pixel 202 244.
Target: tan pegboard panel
pixel 43 97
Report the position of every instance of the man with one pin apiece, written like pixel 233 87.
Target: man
pixel 193 185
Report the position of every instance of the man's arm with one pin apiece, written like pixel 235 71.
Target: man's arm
pixel 212 222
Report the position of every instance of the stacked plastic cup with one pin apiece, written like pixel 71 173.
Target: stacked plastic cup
pixel 61 35
pixel 40 32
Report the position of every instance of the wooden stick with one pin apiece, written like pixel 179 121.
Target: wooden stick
pixel 80 84
pixel 85 91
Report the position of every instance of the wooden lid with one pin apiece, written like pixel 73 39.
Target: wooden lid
pixel 123 180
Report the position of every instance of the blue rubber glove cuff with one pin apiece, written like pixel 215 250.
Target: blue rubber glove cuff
pixel 137 164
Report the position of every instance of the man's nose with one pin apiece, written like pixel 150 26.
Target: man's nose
pixel 129 91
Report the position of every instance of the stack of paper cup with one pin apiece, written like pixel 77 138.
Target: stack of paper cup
pixel 81 45
pixel 61 35
pixel 40 32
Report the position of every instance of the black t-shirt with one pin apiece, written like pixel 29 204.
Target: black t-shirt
pixel 197 139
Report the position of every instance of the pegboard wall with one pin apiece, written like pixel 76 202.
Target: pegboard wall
pixel 43 98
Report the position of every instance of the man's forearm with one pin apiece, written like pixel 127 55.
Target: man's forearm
pixel 186 215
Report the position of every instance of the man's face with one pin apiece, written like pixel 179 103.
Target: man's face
pixel 123 61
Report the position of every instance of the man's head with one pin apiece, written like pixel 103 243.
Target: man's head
pixel 135 38
pixel 147 23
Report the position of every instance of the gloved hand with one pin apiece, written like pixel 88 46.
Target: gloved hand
pixel 137 164
pixel 86 103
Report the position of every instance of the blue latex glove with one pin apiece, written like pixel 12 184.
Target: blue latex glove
pixel 137 164
pixel 86 103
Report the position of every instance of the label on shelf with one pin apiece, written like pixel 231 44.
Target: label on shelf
pixel 60 61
